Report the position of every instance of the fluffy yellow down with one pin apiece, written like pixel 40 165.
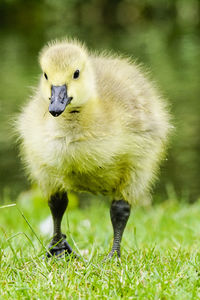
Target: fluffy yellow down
pixel 113 144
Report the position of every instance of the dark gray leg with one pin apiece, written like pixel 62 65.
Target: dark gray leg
pixel 119 213
pixel 58 204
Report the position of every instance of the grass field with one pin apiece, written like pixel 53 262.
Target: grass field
pixel 160 254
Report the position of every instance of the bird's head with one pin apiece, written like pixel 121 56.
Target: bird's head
pixel 67 80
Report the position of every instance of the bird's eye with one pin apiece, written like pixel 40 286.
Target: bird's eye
pixel 76 74
pixel 45 75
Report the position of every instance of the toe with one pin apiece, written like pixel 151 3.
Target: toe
pixel 61 249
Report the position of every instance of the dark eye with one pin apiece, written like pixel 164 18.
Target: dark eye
pixel 45 75
pixel 76 74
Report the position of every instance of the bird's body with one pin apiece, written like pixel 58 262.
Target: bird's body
pixel 110 137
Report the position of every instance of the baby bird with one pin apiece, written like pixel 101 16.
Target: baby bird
pixel 95 124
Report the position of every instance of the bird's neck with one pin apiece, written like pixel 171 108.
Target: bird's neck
pixel 91 108
pixel 80 118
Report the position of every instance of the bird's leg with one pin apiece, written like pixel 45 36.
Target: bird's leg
pixel 58 246
pixel 119 213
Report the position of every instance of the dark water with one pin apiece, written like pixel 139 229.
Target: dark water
pixel 163 37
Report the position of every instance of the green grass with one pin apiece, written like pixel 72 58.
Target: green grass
pixel 160 254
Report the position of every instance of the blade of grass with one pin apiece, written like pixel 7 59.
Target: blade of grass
pixel 10 245
pixel 23 233
pixel 21 213
pixel 8 205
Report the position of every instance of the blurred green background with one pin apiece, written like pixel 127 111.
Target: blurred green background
pixel 164 35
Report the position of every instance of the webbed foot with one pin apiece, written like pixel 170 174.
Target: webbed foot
pixel 114 254
pixel 60 248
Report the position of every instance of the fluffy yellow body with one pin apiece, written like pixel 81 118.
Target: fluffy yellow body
pixel 112 144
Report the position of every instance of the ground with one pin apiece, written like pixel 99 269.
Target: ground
pixel 160 253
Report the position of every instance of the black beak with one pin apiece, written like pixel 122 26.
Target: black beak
pixel 59 100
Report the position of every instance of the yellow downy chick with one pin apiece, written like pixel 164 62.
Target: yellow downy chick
pixel 95 124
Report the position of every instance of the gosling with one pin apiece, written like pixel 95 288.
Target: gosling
pixel 95 124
